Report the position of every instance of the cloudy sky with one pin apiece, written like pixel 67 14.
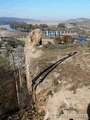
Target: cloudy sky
pixel 45 9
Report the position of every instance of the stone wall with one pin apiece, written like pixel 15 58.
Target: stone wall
pixel 33 39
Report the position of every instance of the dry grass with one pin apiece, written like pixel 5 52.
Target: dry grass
pixel 74 71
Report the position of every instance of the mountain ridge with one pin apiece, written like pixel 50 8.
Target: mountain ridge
pixel 15 19
pixel 78 20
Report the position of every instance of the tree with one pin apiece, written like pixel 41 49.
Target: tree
pixel 12 42
pixel 36 26
pixel 61 25
pixel 22 26
pixel 42 26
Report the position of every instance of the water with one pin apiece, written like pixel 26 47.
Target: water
pixel 83 39
pixel 8 28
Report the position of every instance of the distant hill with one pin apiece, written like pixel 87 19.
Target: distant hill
pixel 77 20
pixel 15 19
pixel 83 19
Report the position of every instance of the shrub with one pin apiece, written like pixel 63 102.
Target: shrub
pixel 61 25
pixel 4 63
pixel 55 82
pixel 67 39
pixel 58 40
pixel 49 93
pixel 64 39
pixel 43 26
pixel 7 87
pixel 0 44
pixel 15 43
pixel 88 44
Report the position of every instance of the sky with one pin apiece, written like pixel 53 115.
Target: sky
pixel 46 10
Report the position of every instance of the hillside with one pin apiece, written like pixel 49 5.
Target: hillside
pixel 77 20
pixel 65 90
pixel 70 88
pixel 56 81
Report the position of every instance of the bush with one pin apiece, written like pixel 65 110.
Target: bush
pixel 88 44
pixel 15 43
pixel 49 46
pixel 4 62
pixel 61 25
pixel 24 27
pixel 58 40
pixel 0 44
pixel 49 93
pixel 67 39
pixel 7 87
pixel 64 39
pixel 55 82
pixel 43 26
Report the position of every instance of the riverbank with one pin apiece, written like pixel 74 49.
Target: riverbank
pixel 9 32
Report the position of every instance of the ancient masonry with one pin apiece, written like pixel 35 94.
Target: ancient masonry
pixel 33 39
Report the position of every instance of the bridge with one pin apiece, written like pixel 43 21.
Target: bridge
pixel 57 33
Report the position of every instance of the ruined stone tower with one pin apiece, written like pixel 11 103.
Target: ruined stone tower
pixel 33 39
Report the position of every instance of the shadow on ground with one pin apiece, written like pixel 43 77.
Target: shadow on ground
pixel 41 76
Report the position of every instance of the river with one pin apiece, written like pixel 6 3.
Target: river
pixel 83 40
pixel 9 28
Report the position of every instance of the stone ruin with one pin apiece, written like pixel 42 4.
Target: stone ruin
pixel 33 39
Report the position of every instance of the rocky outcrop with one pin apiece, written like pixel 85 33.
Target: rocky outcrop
pixel 33 39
